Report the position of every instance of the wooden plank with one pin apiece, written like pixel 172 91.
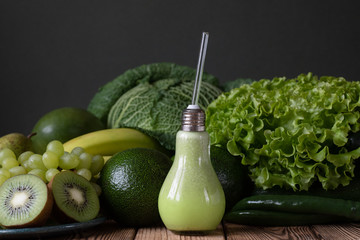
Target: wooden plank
pixel 162 233
pixel 109 230
pixel 239 232
pixel 340 231
pixel 154 233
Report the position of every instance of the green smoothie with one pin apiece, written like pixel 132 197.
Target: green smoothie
pixel 191 198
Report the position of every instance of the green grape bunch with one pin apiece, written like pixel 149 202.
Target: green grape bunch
pixel 51 162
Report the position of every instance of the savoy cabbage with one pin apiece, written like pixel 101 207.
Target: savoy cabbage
pixel 156 108
pixel 108 94
pixel 151 98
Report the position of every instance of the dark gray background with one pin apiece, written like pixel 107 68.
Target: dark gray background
pixel 58 53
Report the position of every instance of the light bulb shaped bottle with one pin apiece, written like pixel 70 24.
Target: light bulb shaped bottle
pixel 191 197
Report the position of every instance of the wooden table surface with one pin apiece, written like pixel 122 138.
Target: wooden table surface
pixel 111 230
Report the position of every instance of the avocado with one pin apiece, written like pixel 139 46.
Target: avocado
pixel 131 181
pixel 232 175
pixel 63 124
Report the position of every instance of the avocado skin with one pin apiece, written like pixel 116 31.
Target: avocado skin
pixel 232 175
pixel 63 124
pixel 131 181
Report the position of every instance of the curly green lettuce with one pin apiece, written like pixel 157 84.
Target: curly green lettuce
pixel 290 132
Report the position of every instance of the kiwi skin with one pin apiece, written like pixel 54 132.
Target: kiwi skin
pixel 60 216
pixel 42 218
pixel 57 214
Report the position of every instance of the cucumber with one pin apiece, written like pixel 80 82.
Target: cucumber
pixel 301 204
pixel 349 192
pixel 274 218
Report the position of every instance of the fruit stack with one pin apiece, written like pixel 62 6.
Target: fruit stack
pixel 60 180
pixel 56 183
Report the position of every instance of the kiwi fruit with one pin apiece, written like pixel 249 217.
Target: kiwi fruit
pixel 25 201
pixel 75 198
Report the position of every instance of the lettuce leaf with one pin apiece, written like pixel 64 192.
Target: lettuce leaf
pixel 290 132
pixel 237 83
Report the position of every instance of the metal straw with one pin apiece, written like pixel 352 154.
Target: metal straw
pixel 200 68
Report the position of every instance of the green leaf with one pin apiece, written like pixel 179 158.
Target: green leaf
pixel 284 129
pixel 108 94
pixel 156 108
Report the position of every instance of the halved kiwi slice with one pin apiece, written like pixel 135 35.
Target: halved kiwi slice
pixel 25 201
pixel 75 197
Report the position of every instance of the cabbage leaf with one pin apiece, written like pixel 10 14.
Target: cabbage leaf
pixel 156 108
pixel 108 94
pixel 290 132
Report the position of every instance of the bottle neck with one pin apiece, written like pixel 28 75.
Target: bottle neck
pixel 193 120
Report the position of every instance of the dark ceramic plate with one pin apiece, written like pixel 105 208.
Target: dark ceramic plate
pixel 46 231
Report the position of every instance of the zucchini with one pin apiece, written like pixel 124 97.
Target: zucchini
pixel 301 204
pixel 274 218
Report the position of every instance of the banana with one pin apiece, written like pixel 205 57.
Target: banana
pixel 106 158
pixel 107 142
